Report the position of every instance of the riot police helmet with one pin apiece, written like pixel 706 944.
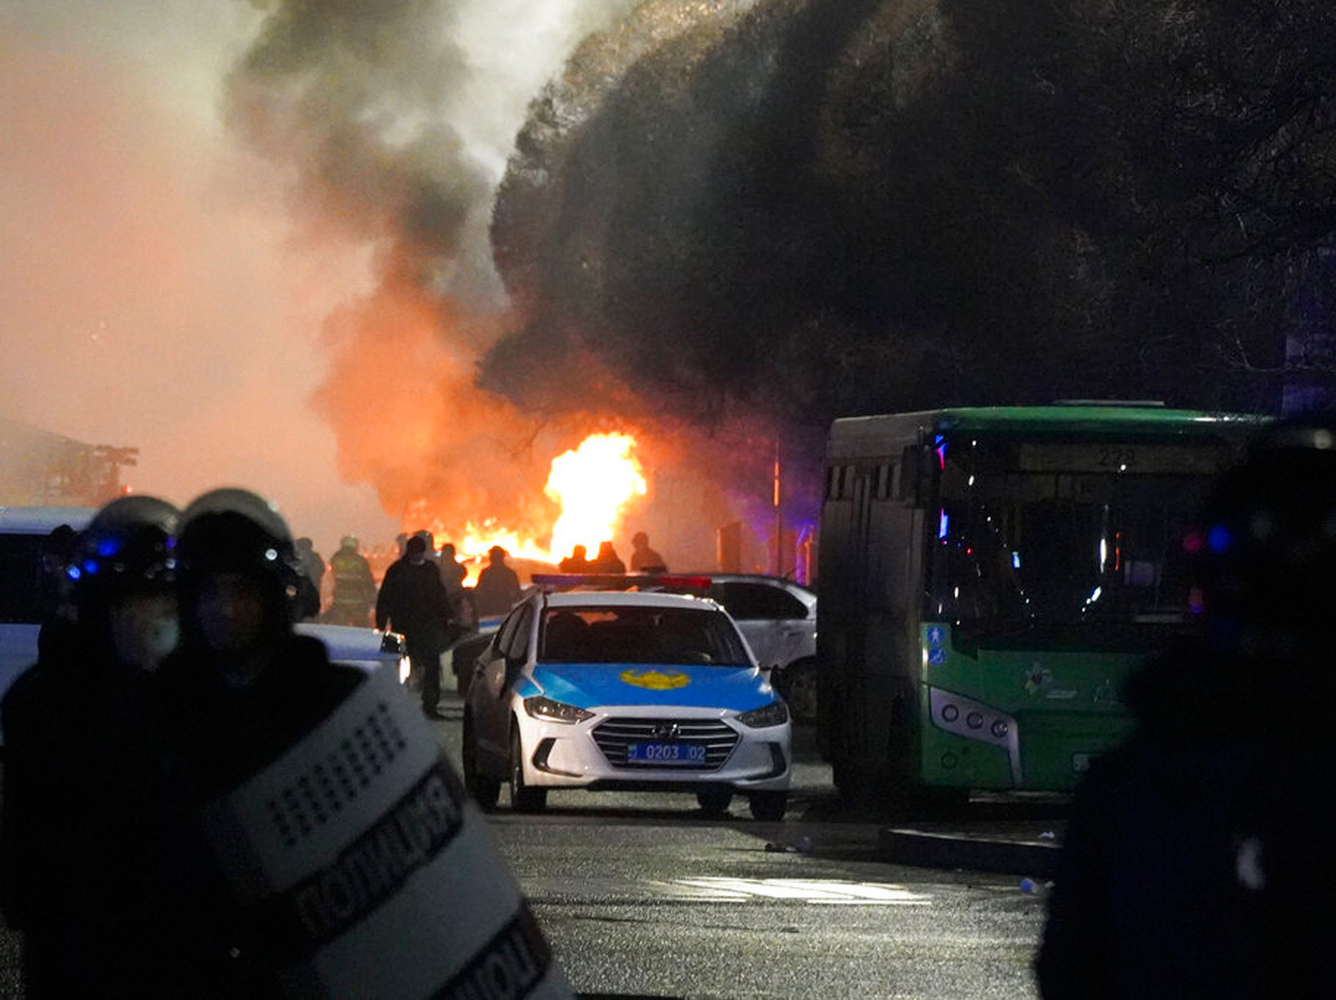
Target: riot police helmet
pixel 129 545
pixel 237 531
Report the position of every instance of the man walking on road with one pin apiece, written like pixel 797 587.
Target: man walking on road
pixel 413 601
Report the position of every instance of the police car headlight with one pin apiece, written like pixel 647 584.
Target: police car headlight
pixel 774 714
pixel 555 711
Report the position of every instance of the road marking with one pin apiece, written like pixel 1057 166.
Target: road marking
pixel 828 891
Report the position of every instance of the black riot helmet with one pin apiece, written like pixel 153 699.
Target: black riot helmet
pixel 130 545
pixel 1265 545
pixel 232 530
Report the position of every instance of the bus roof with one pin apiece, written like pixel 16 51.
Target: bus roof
pixel 852 436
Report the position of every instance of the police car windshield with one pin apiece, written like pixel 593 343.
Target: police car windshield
pixel 640 635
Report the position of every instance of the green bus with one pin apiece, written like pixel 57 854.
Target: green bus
pixel 988 577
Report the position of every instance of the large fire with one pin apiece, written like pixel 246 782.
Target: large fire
pixel 592 484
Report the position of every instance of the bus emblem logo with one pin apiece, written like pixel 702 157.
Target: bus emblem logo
pixel 1037 678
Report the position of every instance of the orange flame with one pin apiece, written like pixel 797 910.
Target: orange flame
pixel 593 483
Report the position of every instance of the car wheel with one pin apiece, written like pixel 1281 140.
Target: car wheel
pixel 769 806
pixel 484 789
pixel 714 801
pixel 800 691
pixel 522 798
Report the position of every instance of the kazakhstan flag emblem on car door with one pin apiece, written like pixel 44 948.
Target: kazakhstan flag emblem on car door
pixel 656 680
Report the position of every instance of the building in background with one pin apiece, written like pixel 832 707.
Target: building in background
pixel 39 468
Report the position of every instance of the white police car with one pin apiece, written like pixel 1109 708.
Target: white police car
pixel 623 690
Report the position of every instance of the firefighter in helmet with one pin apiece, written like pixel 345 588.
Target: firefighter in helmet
pixel 354 586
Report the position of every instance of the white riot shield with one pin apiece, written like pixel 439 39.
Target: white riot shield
pixel 369 872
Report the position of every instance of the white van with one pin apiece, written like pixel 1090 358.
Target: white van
pixel 21 532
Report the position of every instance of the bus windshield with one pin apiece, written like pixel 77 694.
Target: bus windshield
pixel 1032 537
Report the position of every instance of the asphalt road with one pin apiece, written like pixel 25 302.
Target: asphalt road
pixel 641 895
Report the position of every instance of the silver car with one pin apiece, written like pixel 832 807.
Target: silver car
pixel 778 619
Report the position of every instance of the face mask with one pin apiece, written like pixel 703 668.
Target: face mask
pixel 144 629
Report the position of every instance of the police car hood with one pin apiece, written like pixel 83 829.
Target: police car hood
pixel 591 685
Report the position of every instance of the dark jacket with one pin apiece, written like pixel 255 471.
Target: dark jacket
pixel 83 866
pixel 218 737
pixel 413 601
pixel 497 590
pixel 1197 856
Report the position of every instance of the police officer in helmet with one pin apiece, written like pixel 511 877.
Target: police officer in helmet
pixel 83 872
pixel 1197 858
pixel 241 669
pixel 242 688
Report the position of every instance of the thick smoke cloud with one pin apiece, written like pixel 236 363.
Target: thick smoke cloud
pixel 808 208
pixel 145 295
pixel 395 120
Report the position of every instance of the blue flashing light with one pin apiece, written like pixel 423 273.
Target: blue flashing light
pixel 73 572
pixel 1218 538
pixel 107 547
pixel 90 567
pixel 942 525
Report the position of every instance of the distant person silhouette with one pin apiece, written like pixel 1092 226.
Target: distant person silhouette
pixel 643 558
pixel 413 601
pixel 313 566
pixel 354 586
pixel 498 586
pixel 1197 856
pixel 576 562
pixel 607 560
